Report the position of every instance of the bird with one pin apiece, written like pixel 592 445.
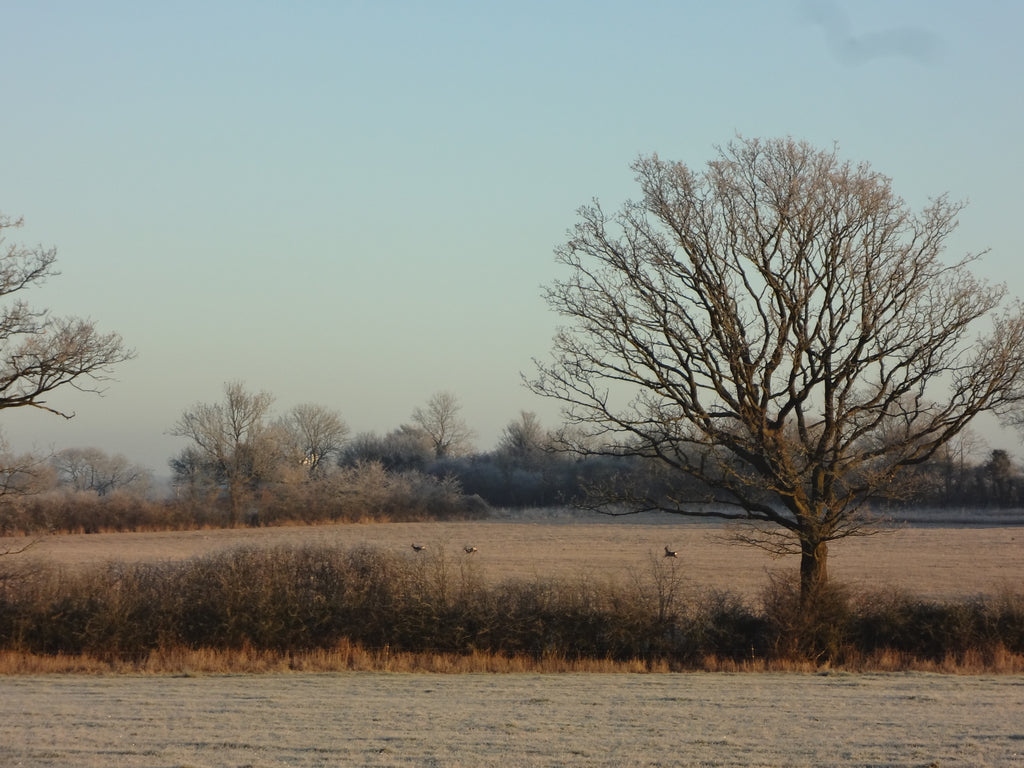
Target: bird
pixel 671 552
pixel 419 547
pixel 469 550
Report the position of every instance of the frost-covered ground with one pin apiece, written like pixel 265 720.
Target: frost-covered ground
pixel 371 719
pixel 380 719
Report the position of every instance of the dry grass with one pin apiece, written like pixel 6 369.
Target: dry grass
pixel 347 657
pixel 1002 662
pixel 353 658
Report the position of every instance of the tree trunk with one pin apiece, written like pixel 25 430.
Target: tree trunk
pixel 813 568
pixel 237 502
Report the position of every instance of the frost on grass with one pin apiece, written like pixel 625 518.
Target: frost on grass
pixel 376 719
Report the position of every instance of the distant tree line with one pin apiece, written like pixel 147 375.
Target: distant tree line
pixel 243 465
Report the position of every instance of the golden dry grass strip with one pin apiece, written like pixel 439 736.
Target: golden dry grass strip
pixel 349 657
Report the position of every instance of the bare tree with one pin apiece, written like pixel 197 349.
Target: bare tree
pixel 23 474
pixel 234 439
pixel 90 469
pixel 782 327
pixel 440 420
pixel 40 353
pixel 193 474
pixel 523 439
pixel 317 435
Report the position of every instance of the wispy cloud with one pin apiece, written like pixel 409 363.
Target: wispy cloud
pixel 910 42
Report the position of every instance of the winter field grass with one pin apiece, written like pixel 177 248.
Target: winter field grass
pixel 380 719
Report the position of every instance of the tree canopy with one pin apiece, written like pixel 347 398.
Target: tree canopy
pixel 782 327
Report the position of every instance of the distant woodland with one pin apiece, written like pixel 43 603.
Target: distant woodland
pixel 242 464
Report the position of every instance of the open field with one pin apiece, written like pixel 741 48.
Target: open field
pixel 380 719
pixel 524 719
pixel 933 562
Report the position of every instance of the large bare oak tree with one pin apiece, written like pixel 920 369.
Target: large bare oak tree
pixel 40 352
pixel 781 327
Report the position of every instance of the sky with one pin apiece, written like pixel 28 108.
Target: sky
pixel 356 204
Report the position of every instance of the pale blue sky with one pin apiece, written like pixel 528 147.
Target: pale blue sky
pixel 355 203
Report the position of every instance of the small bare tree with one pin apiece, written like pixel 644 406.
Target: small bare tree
pixel 40 353
pixel 440 420
pixel 23 474
pixel 523 440
pixel 234 439
pixel 90 469
pixel 782 327
pixel 316 433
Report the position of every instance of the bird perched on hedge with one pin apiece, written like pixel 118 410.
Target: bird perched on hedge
pixel 671 552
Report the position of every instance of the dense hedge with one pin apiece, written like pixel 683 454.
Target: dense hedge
pixel 310 598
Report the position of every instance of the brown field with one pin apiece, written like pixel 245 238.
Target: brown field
pixel 934 562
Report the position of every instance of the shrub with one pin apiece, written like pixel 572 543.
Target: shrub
pixel 936 631
pixel 814 627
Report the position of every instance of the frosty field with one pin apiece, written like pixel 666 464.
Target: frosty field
pixel 380 719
